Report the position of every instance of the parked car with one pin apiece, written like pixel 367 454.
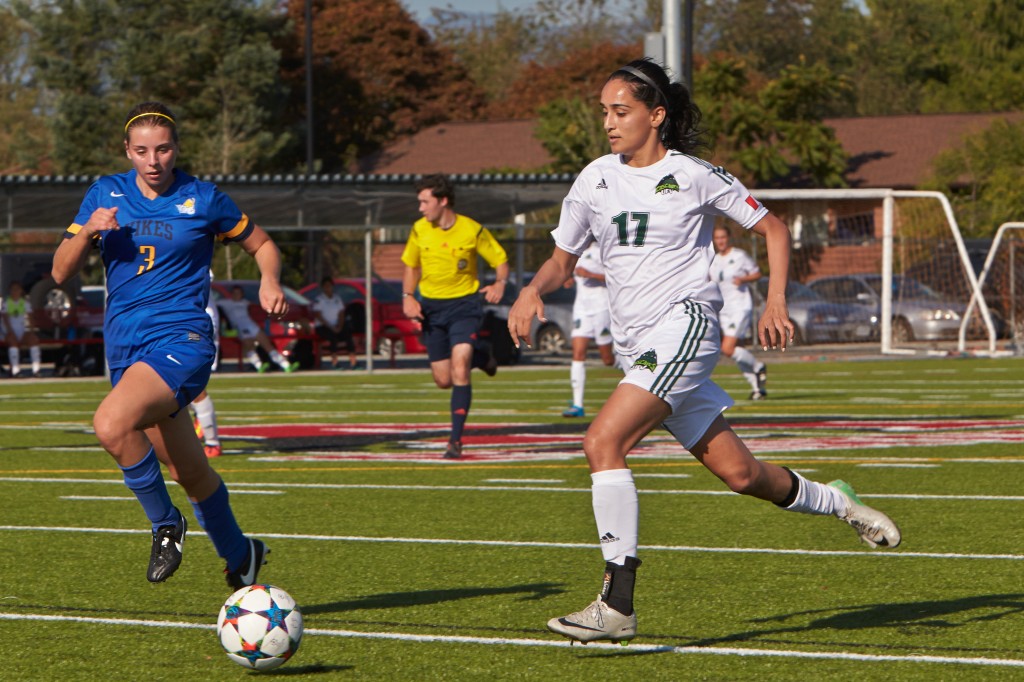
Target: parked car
pixel 388 317
pixel 285 332
pixel 816 320
pixel 552 336
pixel 918 313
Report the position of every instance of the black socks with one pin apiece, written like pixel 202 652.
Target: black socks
pixel 618 585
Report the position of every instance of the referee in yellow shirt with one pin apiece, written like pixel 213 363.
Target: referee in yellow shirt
pixel 441 257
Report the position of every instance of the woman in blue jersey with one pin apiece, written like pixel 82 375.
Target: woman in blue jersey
pixel 156 228
pixel 650 206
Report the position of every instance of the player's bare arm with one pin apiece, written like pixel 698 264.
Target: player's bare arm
pixel 775 329
pixel 528 305
pixel 410 306
pixel 70 256
pixel 494 292
pixel 264 251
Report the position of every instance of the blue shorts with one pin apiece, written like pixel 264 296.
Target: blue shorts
pixel 449 322
pixel 185 367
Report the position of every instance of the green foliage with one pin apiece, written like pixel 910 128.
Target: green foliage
pixel 212 61
pixel 571 131
pixel 774 131
pixel 23 143
pixel 984 178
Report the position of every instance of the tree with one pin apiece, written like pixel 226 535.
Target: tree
pixel 377 75
pixel 771 131
pixel 212 61
pixel 983 177
pixel 571 131
pixel 24 143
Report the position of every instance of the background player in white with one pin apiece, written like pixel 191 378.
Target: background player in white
pixel 650 207
pixel 236 309
pixel 205 422
pixel 591 320
pixel 733 270
pixel 15 311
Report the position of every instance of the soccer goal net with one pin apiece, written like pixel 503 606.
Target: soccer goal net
pixel 1001 283
pixel 882 266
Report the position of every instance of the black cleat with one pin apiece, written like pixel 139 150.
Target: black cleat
pixel 454 450
pixel 165 556
pixel 246 574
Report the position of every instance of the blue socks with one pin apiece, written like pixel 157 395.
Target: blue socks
pixel 462 396
pixel 147 482
pixel 216 518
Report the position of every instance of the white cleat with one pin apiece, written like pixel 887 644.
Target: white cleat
pixel 875 528
pixel 597 621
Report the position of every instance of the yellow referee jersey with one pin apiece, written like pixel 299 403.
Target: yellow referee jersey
pixel 447 258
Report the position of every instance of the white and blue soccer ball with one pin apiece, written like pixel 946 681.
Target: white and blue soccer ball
pixel 260 627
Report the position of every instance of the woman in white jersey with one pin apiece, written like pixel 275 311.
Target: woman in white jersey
pixel 650 207
pixel 733 270
pixel 590 321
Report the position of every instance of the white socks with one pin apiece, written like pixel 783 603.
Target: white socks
pixel 578 378
pixel 14 357
pixel 747 364
pixel 253 358
pixel 278 359
pixel 817 498
pixel 207 416
pixel 617 513
pixel 36 354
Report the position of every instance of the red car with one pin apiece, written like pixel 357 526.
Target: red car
pixel 390 325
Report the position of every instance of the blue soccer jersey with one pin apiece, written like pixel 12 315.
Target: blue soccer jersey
pixel 158 262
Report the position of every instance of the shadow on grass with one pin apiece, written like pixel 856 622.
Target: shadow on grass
pixel 390 600
pixel 926 616
pixel 312 669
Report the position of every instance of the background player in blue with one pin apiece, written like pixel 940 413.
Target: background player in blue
pixel 156 228
pixel 650 206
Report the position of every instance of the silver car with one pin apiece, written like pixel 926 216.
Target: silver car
pixel 918 313
pixel 551 337
pixel 819 321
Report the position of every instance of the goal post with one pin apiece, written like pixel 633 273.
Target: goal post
pixel 908 245
pixel 1004 271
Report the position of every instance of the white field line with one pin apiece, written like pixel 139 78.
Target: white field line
pixel 548 545
pixel 507 641
pixel 505 488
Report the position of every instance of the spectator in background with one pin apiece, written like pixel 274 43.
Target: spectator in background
pixel 329 311
pixel 591 321
pixel 441 258
pixel 236 309
pixel 15 311
pixel 733 270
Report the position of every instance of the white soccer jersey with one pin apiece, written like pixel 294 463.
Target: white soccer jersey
pixel 237 313
pixel 725 269
pixel 653 226
pixel 591 294
pixel 329 308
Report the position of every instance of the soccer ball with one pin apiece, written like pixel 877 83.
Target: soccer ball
pixel 260 627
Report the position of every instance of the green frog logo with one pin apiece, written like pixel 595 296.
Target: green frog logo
pixel 648 360
pixel 667 185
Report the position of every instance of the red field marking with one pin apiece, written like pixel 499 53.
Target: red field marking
pixel 416 442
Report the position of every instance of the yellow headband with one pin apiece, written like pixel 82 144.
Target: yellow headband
pixel 148 113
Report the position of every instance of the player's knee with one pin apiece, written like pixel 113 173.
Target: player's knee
pixel 603 451
pixel 742 479
pixel 110 431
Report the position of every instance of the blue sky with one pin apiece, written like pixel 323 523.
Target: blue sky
pixel 421 8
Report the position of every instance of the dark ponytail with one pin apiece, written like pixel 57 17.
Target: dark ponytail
pixel 649 83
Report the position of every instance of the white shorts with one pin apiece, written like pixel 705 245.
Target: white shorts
pixel 595 326
pixel 16 325
pixel 735 323
pixel 674 361
pixel 248 330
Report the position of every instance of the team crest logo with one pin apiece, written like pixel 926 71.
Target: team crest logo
pixel 649 361
pixel 187 208
pixel 462 264
pixel 667 185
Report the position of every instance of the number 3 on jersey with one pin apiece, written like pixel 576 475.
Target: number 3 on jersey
pixel 148 255
pixel 622 222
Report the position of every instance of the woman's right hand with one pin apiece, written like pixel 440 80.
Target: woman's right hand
pixel 101 220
